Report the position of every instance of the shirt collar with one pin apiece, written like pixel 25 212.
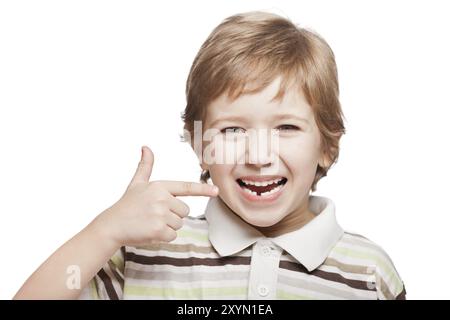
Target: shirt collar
pixel 309 245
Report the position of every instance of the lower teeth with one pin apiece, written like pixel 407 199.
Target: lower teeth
pixel 264 193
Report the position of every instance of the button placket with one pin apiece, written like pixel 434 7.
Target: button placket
pixel 263 290
pixel 264 270
pixel 266 250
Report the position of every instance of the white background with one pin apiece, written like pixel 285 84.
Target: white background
pixel 83 84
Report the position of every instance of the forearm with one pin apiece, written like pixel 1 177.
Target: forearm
pixel 87 252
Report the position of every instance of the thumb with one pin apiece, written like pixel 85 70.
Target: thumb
pixel 145 166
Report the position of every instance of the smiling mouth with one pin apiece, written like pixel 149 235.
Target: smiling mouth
pixel 262 188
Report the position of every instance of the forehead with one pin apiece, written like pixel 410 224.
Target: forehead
pixel 261 104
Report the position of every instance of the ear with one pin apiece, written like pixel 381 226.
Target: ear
pixel 324 160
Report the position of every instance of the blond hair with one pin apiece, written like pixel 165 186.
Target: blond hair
pixel 246 52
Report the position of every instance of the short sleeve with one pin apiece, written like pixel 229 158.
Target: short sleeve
pixel 388 282
pixel 108 283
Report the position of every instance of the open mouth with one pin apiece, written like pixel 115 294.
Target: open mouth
pixel 262 188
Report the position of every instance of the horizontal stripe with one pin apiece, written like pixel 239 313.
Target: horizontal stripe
pixel 178 248
pixel 377 260
pixel 326 275
pixel 184 233
pixel 192 276
pixel 390 282
pixel 372 251
pixel 307 292
pixel 158 260
pixel 345 267
pixel 185 270
pixel 196 224
pixel 389 271
pixel 188 261
pixel 151 283
pixel 284 295
pixel 192 293
pixel 331 288
pixel 181 251
pixel 368 277
pixel 190 268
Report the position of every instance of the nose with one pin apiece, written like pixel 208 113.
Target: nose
pixel 262 149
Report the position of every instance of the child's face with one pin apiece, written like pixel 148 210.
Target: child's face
pixel 295 161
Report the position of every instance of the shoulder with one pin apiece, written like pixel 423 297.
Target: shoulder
pixel 356 250
pixel 194 229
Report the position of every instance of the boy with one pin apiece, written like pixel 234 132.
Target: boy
pixel 263 236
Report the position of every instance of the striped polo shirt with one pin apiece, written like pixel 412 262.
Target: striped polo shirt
pixel 219 256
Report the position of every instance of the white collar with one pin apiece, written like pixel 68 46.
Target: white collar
pixel 310 245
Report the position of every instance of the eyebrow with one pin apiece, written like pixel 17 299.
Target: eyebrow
pixel 283 116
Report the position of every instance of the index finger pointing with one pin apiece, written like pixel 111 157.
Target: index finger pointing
pixel 186 188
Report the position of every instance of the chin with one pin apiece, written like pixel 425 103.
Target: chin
pixel 262 221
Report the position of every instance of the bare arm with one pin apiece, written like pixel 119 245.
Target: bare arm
pixel 88 251
pixel 146 212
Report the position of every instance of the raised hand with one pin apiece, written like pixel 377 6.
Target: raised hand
pixel 150 210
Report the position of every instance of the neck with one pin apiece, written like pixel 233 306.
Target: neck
pixel 293 221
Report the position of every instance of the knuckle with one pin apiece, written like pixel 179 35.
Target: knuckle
pixel 159 195
pixel 158 226
pixel 184 208
pixel 162 203
pixel 160 199
pixel 157 209
pixel 141 163
pixel 170 235
pixel 178 224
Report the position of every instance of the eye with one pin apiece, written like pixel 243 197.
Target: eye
pixel 288 127
pixel 232 130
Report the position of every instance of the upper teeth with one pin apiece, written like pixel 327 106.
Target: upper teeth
pixel 262 183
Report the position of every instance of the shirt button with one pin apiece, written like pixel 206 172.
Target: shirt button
pixel 265 251
pixel 263 290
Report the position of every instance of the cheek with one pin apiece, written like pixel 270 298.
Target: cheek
pixel 220 173
pixel 300 155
